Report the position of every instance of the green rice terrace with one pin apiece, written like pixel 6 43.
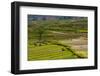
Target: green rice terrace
pixel 55 38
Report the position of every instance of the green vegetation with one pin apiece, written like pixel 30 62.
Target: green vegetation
pixel 57 39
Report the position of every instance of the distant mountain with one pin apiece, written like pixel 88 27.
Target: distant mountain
pixel 48 17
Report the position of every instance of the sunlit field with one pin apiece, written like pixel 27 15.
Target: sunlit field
pixel 57 37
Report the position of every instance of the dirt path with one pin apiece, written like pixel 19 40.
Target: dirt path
pixel 58 32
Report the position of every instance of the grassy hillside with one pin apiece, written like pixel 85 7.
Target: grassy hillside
pixel 57 39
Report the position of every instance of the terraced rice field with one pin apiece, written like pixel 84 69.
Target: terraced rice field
pixel 57 39
pixel 51 52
